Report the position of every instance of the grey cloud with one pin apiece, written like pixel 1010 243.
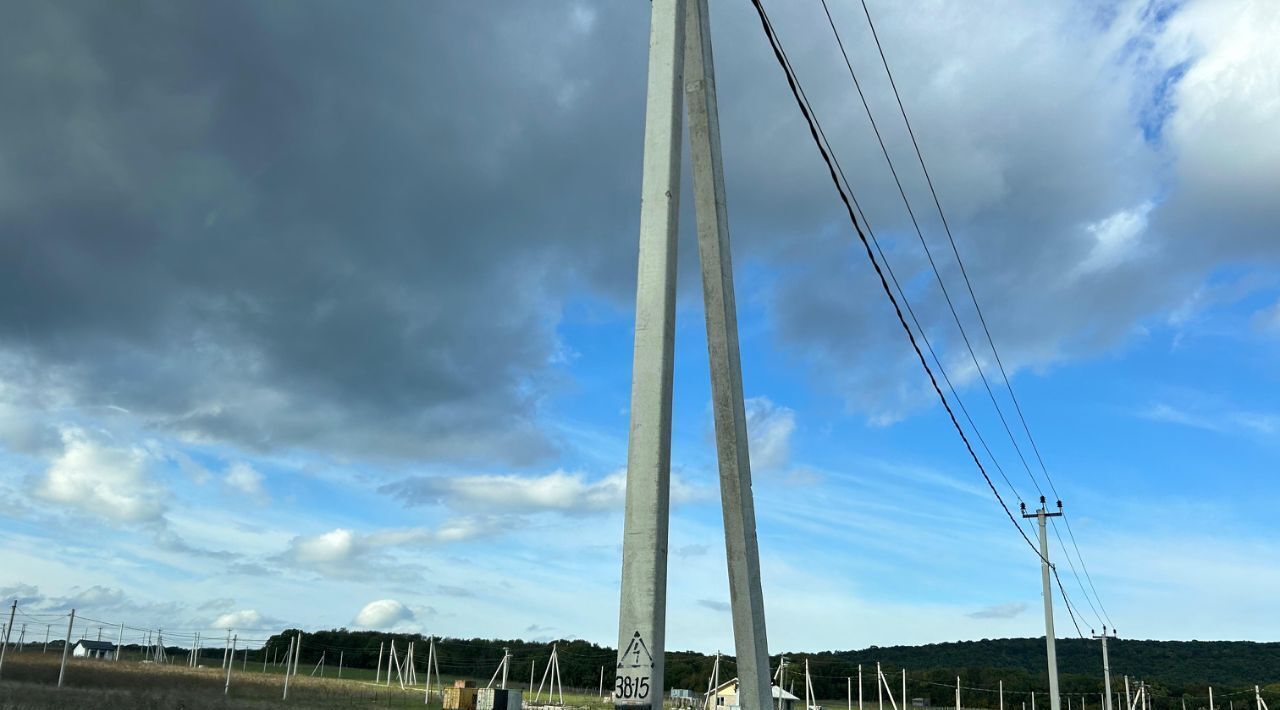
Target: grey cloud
pixel 714 605
pixel 321 226
pixel 353 228
pixel 999 611
pixel 691 550
pixel 97 603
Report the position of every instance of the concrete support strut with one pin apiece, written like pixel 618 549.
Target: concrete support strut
pixel 642 612
pixel 680 56
pixel 714 252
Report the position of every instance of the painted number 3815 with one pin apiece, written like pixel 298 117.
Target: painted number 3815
pixel 626 688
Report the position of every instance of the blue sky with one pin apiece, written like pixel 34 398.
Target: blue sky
pixel 330 324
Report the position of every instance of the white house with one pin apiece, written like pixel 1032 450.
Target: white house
pixel 94 649
pixel 725 697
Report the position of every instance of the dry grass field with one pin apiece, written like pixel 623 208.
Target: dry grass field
pixel 30 681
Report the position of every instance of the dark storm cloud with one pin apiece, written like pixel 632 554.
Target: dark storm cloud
pixel 352 227
pixel 313 223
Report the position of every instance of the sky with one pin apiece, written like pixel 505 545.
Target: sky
pixel 319 314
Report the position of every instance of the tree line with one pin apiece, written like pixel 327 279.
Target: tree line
pixel 1173 670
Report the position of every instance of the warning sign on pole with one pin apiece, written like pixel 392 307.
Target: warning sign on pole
pixel 632 686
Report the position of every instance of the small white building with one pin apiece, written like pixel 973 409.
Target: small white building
pixel 94 649
pixel 725 697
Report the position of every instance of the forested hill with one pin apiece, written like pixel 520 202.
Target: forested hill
pixel 1174 669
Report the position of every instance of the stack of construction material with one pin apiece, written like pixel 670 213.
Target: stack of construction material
pixel 462 696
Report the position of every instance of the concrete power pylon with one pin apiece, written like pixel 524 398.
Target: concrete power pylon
pixel 681 74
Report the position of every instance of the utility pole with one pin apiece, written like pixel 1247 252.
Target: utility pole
pixel 1106 668
pixel 1041 515
pixel 680 57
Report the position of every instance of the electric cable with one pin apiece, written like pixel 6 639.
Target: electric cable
pixel 972 294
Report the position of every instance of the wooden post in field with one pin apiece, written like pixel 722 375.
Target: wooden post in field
pixel 66 647
pixel 340 655
pixel 377 674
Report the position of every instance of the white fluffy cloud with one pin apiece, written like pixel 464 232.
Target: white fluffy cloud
pixel 343 552
pixel 243 619
pixel 769 429
pixel 383 614
pixel 243 478
pixel 102 480
pixel 558 491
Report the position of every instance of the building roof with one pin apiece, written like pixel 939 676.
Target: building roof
pixel 96 645
pixel 778 693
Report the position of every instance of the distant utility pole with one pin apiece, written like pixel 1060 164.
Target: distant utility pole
pixel 1041 515
pixel 8 627
pixel 682 77
pixel 1106 668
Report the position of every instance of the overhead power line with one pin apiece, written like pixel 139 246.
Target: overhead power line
pixel 937 273
pixel 831 163
pixel 968 285
pixel 836 172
